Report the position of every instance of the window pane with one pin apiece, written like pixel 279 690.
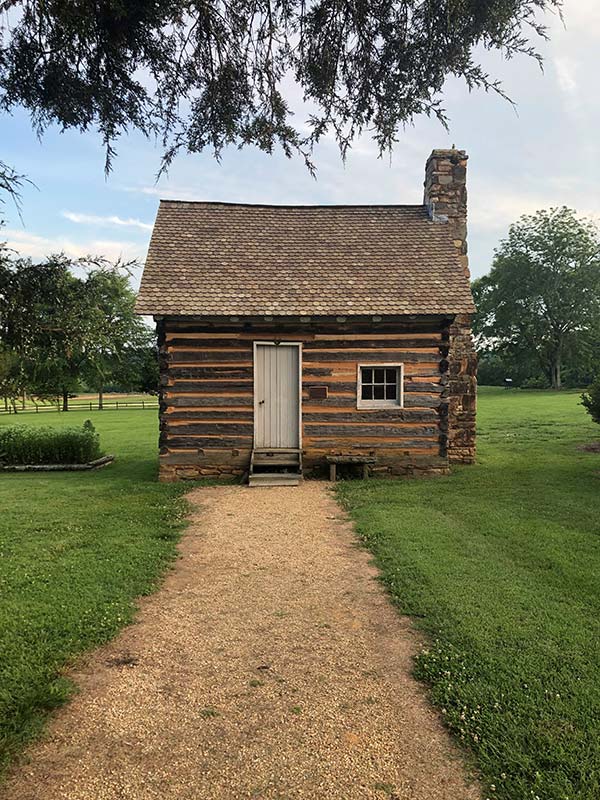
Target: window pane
pixel 378 392
pixel 379 375
pixel 390 375
pixel 367 375
pixel 390 391
pixel 367 392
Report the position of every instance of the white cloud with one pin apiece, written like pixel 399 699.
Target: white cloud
pixel 35 246
pixel 566 73
pixel 94 219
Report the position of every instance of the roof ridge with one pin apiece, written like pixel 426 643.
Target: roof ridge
pixel 415 206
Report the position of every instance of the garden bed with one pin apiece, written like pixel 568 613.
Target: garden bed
pixel 26 449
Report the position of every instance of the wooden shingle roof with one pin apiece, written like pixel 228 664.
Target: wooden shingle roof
pixel 228 259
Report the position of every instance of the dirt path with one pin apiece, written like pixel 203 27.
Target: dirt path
pixel 270 665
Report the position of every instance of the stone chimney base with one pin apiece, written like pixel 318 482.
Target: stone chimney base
pixel 462 402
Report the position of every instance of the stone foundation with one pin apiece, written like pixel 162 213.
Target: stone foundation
pixel 171 473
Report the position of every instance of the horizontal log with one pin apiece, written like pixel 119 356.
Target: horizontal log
pixel 363 357
pixel 370 415
pixel 348 400
pixel 314 372
pixel 317 325
pixel 209 428
pixel 370 444
pixel 418 458
pixel 207 457
pixel 422 386
pixel 389 341
pixel 206 373
pixel 211 356
pixel 376 431
pixel 177 340
pixel 215 401
pixel 236 442
pixel 234 341
pixel 211 387
pixel 217 415
pixel 216 342
pixel 422 401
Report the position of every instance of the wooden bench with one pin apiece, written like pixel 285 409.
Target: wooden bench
pixel 333 461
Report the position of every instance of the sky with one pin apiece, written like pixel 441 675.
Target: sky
pixel 543 152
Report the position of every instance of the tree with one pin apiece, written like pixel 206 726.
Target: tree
pixel 11 379
pixel 137 370
pixel 43 319
pixel 62 328
pixel 114 329
pixel 206 75
pixel 542 295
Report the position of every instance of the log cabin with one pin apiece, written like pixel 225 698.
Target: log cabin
pixel 296 337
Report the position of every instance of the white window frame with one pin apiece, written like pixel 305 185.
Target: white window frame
pixel 397 403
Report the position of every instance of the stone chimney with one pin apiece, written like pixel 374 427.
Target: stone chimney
pixel 446 201
pixel 446 195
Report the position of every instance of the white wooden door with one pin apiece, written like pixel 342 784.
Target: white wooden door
pixel 276 396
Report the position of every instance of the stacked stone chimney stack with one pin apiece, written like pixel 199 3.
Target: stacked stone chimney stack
pixel 446 195
pixel 446 201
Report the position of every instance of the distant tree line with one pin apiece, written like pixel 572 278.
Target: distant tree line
pixel 538 309
pixel 68 326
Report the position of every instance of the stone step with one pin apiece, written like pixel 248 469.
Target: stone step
pixel 274 479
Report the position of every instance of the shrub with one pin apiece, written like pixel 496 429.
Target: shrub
pixel 590 400
pixel 535 382
pixel 23 445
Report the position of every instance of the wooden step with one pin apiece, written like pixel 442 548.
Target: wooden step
pixel 279 459
pixel 274 479
pixel 275 467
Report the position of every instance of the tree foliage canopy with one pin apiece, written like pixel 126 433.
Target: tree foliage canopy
pixel 205 75
pixel 541 298
pixel 57 329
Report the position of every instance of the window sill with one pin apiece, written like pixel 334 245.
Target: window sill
pixel 374 405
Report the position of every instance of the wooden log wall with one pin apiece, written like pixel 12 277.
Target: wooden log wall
pixel 206 402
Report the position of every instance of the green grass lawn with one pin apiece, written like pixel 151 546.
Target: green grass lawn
pixel 500 565
pixel 76 549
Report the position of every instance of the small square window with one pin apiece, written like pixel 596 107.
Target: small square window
pixel 380 386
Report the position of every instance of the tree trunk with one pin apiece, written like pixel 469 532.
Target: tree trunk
pixel 6 403
pixel 556 384
pixel 23 400
pixel 65 400
pixel 100 398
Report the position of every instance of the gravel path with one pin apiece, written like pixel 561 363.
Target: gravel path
pixel 270 665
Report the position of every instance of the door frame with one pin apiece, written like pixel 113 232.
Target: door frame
pixel 276 343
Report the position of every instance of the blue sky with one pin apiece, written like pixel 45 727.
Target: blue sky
pixel 544 153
